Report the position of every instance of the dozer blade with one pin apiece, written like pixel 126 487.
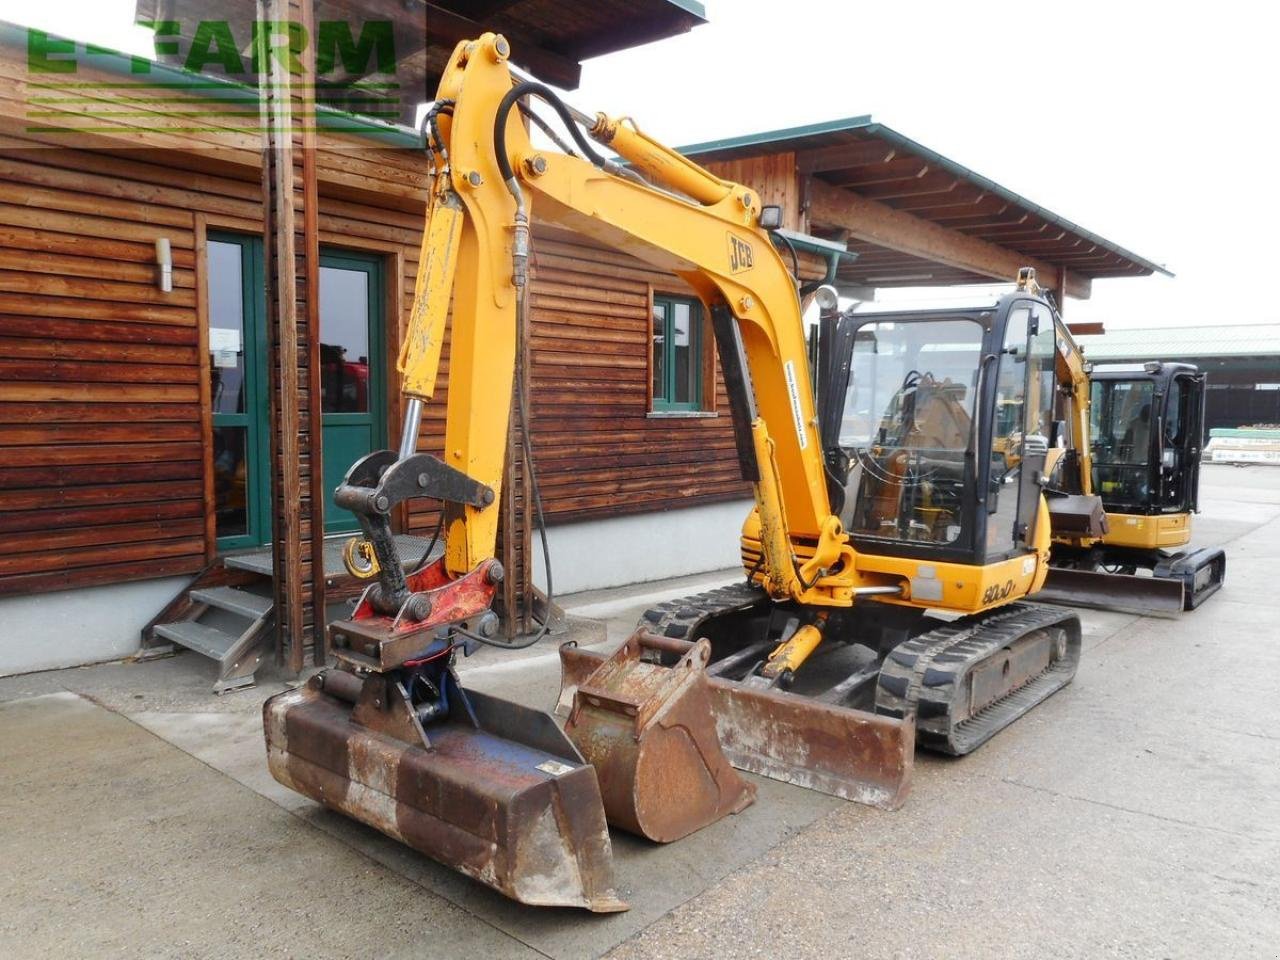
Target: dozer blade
pixel 833 749
pixel 649 732
pixel 499 794
pixel 1126 593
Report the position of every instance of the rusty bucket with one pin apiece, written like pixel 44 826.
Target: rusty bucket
pixel 837 750
pixel 649 731
pixel 497 792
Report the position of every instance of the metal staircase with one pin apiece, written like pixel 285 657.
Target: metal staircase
pixel 227 615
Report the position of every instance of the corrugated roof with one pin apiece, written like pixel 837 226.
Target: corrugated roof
pixel 876 161
pixel 1176 343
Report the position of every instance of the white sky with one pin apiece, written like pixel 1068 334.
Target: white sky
pixel 1156 125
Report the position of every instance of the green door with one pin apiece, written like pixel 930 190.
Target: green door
pixel 352 392
pixel 237 365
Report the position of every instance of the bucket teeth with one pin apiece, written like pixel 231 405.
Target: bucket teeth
pixel 650 733
pixel 499 795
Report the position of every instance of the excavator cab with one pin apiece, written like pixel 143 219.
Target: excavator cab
pixel 1147 428
pixel 936 426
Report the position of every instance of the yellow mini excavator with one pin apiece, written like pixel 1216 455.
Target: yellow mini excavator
pixel 899 525
pixel 1146 438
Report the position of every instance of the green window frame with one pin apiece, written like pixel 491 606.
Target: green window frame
pixel 337 455
pixel 252 420
pixel 676 355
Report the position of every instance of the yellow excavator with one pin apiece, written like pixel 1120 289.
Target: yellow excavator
pixel 899 523
pixel 1146 440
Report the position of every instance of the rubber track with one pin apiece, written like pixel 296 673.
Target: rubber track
pixel 925 675
pixel 681 618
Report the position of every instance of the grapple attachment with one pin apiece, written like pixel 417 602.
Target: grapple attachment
pixel 648 730
pixel 834 749
pixel 496 791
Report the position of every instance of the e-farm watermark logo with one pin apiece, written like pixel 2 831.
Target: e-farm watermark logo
pixel 207 77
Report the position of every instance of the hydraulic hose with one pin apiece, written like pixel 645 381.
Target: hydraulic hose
pixel 545 93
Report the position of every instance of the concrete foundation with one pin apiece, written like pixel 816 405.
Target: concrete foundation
pixel 597 554
pixel 70 628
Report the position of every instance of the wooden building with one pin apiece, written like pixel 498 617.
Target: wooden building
pixel 195 347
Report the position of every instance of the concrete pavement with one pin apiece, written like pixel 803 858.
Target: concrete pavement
pixel 1135 814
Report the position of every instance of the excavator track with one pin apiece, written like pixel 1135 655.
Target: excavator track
pixel 680 619
pixel 965 681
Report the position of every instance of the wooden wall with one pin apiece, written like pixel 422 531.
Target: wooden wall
pixel 107 472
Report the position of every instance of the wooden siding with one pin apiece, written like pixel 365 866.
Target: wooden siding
pixel 774 177
pixel 103 379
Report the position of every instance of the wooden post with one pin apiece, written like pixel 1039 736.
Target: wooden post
pixel 292 279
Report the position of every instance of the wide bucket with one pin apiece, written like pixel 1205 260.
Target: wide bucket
pixel 1126 593
pixel 507 801
pixel 847 753
pixel 649 731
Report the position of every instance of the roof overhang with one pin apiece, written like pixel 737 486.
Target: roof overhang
pixel 550 38
pixel 917 218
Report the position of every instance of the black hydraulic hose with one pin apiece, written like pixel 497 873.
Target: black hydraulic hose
pixel 433 127
pixel 548 130
pixel 548 95
pixel 791 248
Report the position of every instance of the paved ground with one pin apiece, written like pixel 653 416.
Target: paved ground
pixel 1135 814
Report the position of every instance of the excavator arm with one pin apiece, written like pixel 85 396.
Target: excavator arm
pixel 489 183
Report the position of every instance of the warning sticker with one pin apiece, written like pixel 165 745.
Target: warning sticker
pixel 793 391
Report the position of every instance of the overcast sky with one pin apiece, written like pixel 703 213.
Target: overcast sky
pixel 1155 125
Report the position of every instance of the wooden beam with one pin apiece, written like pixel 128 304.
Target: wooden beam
pixel 292 280
pixel 882 225
pixel 842 156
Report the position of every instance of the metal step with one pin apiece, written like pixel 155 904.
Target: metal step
pixel 234 600
pixel 207 641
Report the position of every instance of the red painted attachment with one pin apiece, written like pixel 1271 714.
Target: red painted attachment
pixel 649 732
pixel 847 753
pixel 371 640
pixel 499 794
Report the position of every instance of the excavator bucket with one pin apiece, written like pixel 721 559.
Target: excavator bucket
pixel 648 730
pixel 836 750
pixel 498 794
pixel 1126 593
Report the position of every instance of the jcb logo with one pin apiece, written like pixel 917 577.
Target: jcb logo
pixel 741 256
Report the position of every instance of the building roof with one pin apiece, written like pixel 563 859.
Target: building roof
pixel 1177 343
pixel 874 161
pixel 550 38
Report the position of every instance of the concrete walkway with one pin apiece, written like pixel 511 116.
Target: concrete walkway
pixel 1135 814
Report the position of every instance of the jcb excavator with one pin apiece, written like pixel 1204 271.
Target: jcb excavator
pixel 1146 438
pixel 899 522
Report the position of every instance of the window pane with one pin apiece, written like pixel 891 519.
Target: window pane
pixel 659 352
pixel 1173 414
pixel 907 423
pixel 344 340
pixel 226 327
pixel 684 359
pixel 1012 415
pixel 1121 414
pixel 230 501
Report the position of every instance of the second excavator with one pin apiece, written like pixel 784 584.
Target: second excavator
pixel 899 525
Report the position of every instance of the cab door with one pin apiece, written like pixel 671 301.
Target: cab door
pixel 1181 439
pixel 1023 417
